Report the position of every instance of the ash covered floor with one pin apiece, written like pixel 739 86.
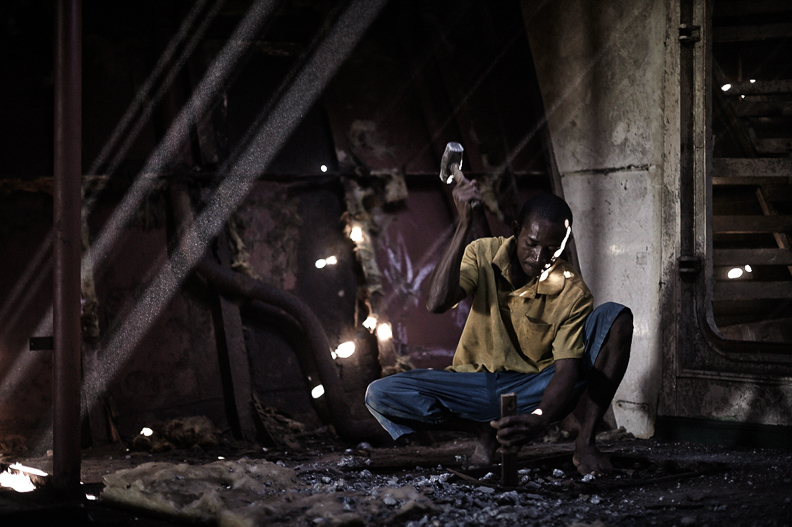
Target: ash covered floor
pixel 335 483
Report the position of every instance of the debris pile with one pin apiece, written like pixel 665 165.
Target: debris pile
pixel 196 432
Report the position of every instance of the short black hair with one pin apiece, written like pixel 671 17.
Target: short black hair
pixel 546 206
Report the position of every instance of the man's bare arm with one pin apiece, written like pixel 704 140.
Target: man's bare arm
pixel 444 289
pixel 519 429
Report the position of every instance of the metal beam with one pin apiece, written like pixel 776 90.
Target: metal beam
pixel 752 257
pixel 67 208
pixel 751 224
pixel 750 290
pixel 754 33
pixel 779 87
pixel 746 167
pixel 754 7
pixel 746 108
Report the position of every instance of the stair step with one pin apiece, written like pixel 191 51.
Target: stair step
pixel 752 257
pixel 728 167
pixel 752 33
pixel 759 87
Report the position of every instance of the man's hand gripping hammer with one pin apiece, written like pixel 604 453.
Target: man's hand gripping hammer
pixel 451 166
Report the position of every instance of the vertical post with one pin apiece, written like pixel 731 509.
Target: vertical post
pixel 509 455
pixel 67 205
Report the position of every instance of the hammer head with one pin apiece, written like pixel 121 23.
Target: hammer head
pixel 451 156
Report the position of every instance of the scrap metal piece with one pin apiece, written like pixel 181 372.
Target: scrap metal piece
pixel 509 477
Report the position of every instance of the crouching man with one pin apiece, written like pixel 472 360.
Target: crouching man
pixel 532 330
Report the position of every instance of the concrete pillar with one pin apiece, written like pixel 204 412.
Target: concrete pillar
pixel 600 67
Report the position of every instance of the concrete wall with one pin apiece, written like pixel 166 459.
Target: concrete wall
pixel 600 68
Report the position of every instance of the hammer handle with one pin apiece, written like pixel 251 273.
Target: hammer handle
pixel 460 177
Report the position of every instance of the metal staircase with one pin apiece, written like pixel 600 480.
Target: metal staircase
pixel 752 169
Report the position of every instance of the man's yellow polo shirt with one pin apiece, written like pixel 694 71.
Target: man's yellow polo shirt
pixel 522 330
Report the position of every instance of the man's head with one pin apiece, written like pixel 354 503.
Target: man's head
pixel 540 231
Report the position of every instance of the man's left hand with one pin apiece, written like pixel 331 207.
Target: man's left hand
pixel 516 430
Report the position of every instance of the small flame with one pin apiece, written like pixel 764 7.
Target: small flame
pixel 17 477
pixel 345 350
pixel 356 234
pixel 384 331
pixel 370 323
pixel 317 392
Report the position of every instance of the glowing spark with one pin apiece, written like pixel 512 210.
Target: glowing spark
pixel 91 497
pixel 356 234
pixel 370 323
pixel 321 263
pixel 748 269
pixel 384 331
pixel 323 168
pixel 742 96
pixel 345 350
pixel 317 392
pixel 735 272
pixel 221 458
pixel 726 87
pixel 146 431
pixel 752 81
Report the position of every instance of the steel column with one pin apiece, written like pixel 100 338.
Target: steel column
pixel 67 204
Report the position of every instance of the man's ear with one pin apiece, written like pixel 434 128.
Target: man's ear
pixel 516 228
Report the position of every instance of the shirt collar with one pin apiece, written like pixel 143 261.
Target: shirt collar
pixel 551 285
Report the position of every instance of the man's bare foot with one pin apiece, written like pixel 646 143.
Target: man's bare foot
pixel 486 447
pixel 589 460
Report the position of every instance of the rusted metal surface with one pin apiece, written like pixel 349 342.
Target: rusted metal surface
pixel 233 358
pixel 66 308
pixel 243 287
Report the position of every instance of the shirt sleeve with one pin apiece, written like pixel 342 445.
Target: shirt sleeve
pixel 468 269
pixel 568 342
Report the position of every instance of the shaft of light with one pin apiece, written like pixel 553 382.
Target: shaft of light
pixel 270 138
pixel 211 84
pixel 148 85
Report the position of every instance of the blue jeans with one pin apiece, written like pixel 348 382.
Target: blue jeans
pixel 407 400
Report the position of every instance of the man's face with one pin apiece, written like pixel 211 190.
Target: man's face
pixel 537 241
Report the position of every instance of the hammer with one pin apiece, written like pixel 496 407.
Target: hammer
pixel 451 166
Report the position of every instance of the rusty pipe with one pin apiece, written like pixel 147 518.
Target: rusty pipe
pixel 67 246
pixel 236 285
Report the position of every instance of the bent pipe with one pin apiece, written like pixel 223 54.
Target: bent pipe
pixel 233 284
pixel 278 320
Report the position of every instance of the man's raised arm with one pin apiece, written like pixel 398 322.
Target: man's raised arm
pixel 444 289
